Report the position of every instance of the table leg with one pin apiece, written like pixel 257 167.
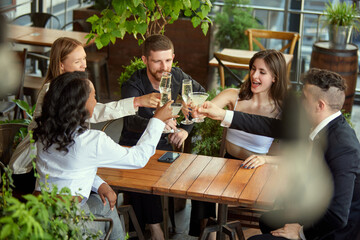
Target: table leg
pixel 222 227
pixel 221 220
pixel 165 203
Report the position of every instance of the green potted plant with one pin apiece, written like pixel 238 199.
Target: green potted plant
pixel 231 24
pixel 340 19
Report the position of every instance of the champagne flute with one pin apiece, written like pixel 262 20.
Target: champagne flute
pixel 165 88
pixel 176 107
pixel 198 98
pixel 186 90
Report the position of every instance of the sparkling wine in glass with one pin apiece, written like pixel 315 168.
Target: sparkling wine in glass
pixel 165 88
pixel 176 107
pixel 198 98
pixel 186 90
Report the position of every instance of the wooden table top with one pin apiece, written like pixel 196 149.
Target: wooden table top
pixel 42 36
pixel 199 177
pixel 244 54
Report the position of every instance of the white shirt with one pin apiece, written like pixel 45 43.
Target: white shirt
pixel 20 161
pixel 322 124
pixel 92 149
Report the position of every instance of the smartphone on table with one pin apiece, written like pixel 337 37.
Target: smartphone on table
pixel 169 157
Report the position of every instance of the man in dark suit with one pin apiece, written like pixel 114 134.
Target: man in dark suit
pixel 324 95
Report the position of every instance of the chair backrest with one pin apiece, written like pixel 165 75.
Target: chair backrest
pixel 8 132
pixel 291 37
pixel 22 55
pixel 223 57
pixel 80 25
pixel 38 19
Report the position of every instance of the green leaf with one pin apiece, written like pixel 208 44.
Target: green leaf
pixel 195 4
pixel 92 19
pixel 22 104
pixel 141 28
pixel 195 21
pixel 136 2
pixel 187 3
pixel 130 26
pixel 5 231
pixel 205 9
pixel 150 4
pixel 98 43
pixel 205 27
pixel 119 6
pixel 188 12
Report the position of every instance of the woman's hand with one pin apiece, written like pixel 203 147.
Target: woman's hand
pixel 105 191
pixel 165 112
pixel 150 100
pixel 210 110
pixel 254 161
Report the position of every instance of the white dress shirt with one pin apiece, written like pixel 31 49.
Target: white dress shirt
pixel 20 161
pixel 92 149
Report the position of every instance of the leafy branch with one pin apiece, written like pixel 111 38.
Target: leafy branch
pixel 144 18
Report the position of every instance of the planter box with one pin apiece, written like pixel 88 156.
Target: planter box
pixel 191 48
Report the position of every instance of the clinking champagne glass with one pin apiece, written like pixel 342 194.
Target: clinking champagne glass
pixel 198 98
pixel 165 88
pixel 186 90
pixel 176 107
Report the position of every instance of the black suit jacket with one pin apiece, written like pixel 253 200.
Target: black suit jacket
pixel 342 155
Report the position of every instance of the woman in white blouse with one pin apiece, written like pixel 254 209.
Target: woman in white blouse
pixel 69 153
pixel 68 55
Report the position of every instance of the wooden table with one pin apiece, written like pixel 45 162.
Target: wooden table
pixel 202 178
pixel 244 54
pixel 43 37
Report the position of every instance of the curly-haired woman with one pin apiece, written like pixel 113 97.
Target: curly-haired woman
pixel 68 153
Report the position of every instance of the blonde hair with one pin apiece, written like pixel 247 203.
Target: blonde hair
pixel 60 49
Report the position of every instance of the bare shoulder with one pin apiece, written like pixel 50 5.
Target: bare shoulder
pixel 226 98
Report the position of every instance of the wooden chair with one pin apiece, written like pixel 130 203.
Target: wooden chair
pixel 42 20
pixel 222 57
pixel 33 84
pixel 290 37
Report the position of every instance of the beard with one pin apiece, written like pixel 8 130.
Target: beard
pixel 156 74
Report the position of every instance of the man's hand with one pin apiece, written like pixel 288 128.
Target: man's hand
pixel 170 124
pixel 210 110
pixel 178 138
pixel 105 191
pixel 289 231
pixel 150 100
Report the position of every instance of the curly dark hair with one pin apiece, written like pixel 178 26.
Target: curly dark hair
pixel 324 79
pixel 276 63
pixel 63 111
